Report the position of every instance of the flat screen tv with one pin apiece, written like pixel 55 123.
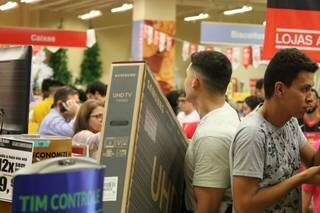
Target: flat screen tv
pixel 15 74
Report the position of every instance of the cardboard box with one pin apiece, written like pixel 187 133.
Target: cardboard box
pixel 143 146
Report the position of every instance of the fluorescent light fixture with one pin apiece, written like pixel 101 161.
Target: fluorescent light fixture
pixel 239 10
pixel 9 5
pixel 198 17
pixel 123 8
pixel 264 23
pixel 29 1
pixel 90 15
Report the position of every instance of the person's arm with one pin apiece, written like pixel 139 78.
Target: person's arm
pixel 249 198
pixel 211 174
pixel 309 155
pixel 248 156
pixel 208 199
pixel 59 126
pixel 306 200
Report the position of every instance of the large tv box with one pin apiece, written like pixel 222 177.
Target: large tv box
pixel 143 147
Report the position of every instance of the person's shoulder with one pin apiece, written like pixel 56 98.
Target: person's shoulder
pixel 82 135
pixel 251 127
pixel 252 120
pixel 38 106
pixel 227 113
pixel 180 114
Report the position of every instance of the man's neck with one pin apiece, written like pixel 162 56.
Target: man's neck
pixel 206 103
pixel 273 113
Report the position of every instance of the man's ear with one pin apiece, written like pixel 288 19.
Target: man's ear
pixel 195 82
pixel 279 89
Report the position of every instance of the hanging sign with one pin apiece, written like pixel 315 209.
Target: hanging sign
pixel 42 37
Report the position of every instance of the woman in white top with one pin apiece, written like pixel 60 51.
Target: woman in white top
pixel 88 125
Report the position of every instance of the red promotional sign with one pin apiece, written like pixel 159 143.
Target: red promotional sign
pixel 43 37
pixel 246 56
pixel 156 38
pixel 292 26
pixel 169 43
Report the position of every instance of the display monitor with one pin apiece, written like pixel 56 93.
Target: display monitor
pixel 15 74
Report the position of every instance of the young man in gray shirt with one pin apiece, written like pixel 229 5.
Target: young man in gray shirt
pixel 269 146
pixel 207 159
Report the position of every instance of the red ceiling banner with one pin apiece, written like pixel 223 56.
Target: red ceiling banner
pixel 42 37
pixel 293 24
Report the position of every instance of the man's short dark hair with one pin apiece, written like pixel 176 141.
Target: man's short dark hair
pixel 97 86
pixel 62 95
pixel 285 67
pixel 259 83
pixel 214 67
pixel 172 98
pixel 47 84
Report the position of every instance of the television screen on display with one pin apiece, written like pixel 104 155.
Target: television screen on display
pixel 15 74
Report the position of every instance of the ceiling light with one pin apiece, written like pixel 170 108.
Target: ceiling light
pixel 264 23
pixel 198 17
pixel 239 10
pixel 9 5
pixel 29 1
pixel 90 15
pixel 123 8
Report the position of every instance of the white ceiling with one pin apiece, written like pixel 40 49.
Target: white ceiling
pixel 184 8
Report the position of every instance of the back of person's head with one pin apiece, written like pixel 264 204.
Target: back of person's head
pixel 82 119
pixel 45 85
pixel 62 95
pixel 97 86
pixel 253 101
pixel 214 68
pixel 172 98
pixel 259 83
pixel 48 85
pixel 284 67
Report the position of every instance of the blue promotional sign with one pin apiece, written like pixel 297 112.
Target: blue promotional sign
pixel 72 192
pixel 137 40
pixel 224 33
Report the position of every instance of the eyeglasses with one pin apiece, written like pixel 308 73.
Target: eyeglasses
pixel 97 116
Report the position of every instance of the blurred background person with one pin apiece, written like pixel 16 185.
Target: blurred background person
pixel 260 88
pixel 250 103
pixel 188 117
pixel 96 90
pixel 172 98
pixel 88 125
pixel 59 121
pixel 41 109
pixel 310 125
pixel 311 119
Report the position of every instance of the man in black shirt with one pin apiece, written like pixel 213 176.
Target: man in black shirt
pixel 311 119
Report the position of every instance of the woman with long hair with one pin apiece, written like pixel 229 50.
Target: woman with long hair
pixel 88 125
